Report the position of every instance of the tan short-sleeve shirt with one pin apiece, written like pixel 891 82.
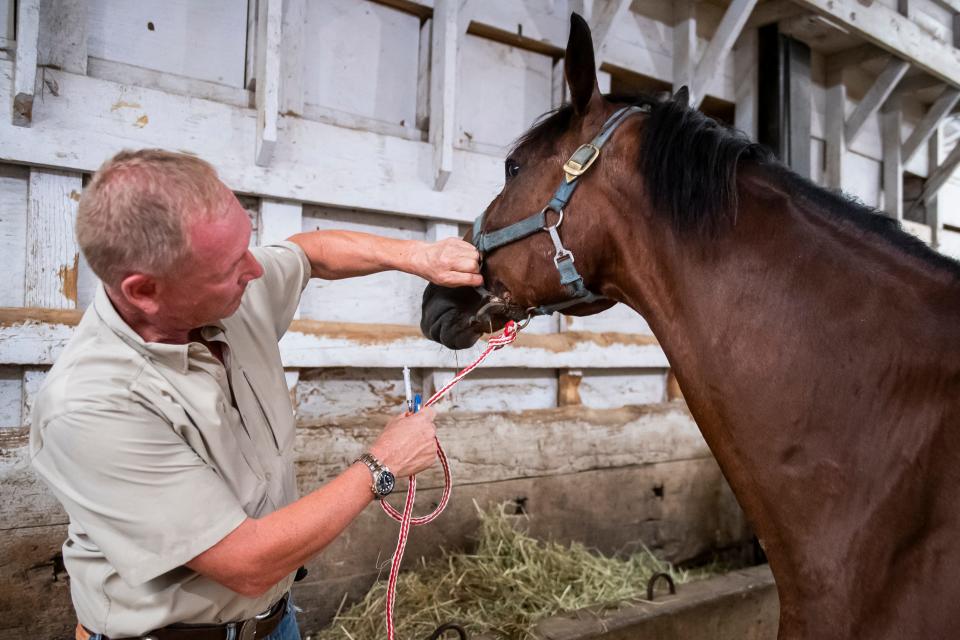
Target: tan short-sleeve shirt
pixel 158 451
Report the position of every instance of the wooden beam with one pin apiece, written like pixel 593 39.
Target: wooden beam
pixel 292 63
pixel 852 57
pixel 720 45
pixel 931 120
pixel 25 64
pixel 939 176
pixel 269 20
pixel 834 137
pixel 745 79
pixel 31 336
pixel 423 75
pixel 443 85
pixel 932 203
pixel 63 36
pixel 684 43
pixel 890 121
pixel 773 11
pixel 882 87
pixel 912 43
pixel 921 82
pixel 52 251
pixel 250 62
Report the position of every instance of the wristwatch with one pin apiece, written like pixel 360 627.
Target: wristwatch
pixel 383 479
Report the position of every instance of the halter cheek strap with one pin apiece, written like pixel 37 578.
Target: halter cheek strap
pixel 578 164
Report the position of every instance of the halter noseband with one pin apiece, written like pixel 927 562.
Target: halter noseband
pixel 578 164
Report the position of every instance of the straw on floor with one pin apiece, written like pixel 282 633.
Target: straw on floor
pixel 503 588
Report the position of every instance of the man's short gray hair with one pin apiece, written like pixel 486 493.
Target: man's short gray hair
pixel 134 215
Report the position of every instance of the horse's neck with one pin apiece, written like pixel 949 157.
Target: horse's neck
pixel 818 365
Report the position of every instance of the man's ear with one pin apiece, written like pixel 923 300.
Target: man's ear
pixel 140 290
pixel 579 66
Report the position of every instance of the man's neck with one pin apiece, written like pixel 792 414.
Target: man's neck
pixel 149 331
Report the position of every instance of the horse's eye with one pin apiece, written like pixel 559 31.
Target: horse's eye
pixel 511 168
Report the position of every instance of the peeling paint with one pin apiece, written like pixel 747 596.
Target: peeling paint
pixel 74 196
pixel 141 121
pixel 68 279
pixel 122 104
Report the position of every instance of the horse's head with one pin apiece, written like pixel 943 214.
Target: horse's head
pixel 527 267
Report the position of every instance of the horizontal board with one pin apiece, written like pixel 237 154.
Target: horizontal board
pixel 606 389
pixel 542 442
pixel 39 336
pixel 92 119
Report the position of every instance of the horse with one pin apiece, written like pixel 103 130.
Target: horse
pixel 816 344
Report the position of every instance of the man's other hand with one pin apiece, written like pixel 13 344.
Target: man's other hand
pixel 408 445
pixel 450 262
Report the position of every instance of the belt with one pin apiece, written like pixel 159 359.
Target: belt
pixel 257 627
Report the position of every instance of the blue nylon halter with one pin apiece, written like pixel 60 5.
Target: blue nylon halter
pixel 578 164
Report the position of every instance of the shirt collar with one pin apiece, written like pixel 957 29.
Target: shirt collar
pixel 175 356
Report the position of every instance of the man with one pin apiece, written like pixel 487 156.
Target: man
pixel 165 428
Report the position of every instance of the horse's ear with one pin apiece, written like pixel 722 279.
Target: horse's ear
pixel 682 96
pixel 579 65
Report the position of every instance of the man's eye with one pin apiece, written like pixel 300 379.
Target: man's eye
pixel 511 168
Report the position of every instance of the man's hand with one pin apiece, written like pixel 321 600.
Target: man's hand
pixel 450 262
pixel 408 443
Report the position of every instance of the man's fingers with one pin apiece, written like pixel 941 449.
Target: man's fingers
pixel 455 279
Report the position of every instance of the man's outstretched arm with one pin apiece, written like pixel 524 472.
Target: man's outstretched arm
pixel 343 254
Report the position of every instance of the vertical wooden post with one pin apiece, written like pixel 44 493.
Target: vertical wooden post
pixel 745 74
pixel 423 75
pixel 443 87
pixel 269 20
pixel 52 254
pixel 291 57
pixel 720 45
pixel 25 63
pixel 932 203
pixel 890 119
pixel 835 143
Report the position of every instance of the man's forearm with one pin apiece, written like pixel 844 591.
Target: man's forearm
pixel 261 552
pixel 345 254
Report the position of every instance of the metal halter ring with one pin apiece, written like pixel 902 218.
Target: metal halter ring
pixel 559 222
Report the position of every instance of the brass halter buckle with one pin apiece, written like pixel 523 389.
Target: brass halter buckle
pixel 580 161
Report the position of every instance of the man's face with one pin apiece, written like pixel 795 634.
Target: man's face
pixel 209 284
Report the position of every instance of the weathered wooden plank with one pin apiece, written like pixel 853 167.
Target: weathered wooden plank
pixel 884 85
pixel 603 19
pixel 292 56
pixel 337 172
pixel 772 11
pixel 544 442
pixel 834 137
pixel 11 397
pixel 35 590
pixel 890 121
pixel 912 43
pixel 269 21
pixel 32 337
pixel 14 183
pixel 250 50
pixel 63 35
pixel 443 86
pixel 25 64
pixel 715 55
pixel 745 74
pixel 279 220
pixel 939 176
pixel 423 75
pixel 933 204
pixel 931 120
pixel 52 253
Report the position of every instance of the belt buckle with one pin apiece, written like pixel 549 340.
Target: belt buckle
pixel 247 630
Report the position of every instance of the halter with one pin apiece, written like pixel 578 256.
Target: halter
pixel 578 164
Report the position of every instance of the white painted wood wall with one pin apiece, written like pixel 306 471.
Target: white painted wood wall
pixel 354 150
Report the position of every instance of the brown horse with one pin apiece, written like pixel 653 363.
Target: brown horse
pixel 816 344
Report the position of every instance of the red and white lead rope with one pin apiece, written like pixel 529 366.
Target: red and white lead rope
pixel 406 518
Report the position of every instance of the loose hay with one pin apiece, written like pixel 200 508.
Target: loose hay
pixel 505 587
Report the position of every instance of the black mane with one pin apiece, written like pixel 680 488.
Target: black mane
pixel 689 163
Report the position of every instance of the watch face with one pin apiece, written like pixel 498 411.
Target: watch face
pixel 385 483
